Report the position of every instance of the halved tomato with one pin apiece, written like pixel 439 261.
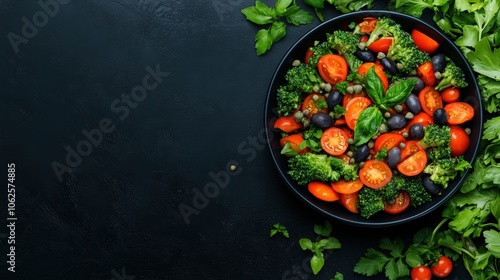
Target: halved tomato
pixel 308 55
pixel 430 99
pixel 367 25
pixel 459 112
pixel 322 191
pixel 426 73
pixel 401 203
pixel 348 131
pixel 354 108
pixel 375 174
pixel 422 118
pixel 347 187
pixel 381 45
pixel 287 124
pixel 334 141
pixel 411 148
pixel 333 68
pixel 350 201
pixel 349 96
pixel 414 164
pixel 294 140
pixel 424 42
pixel 389 141
pixel 379 70
pixel 311 105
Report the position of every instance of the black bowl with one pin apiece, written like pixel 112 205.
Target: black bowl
pixel 336 210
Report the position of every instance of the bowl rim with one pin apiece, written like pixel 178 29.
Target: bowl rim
pixel 269 129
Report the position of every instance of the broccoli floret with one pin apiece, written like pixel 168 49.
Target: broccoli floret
pixel 319 50
pixel 445 170
pixel 436 136
pixel 348 171
pixel 312 136
pixel 383 28
pixel 287 100
pixel 303 78
pixel 370 202
pixel 353 62
pixel 312 167
pixel 451 76
pixel 404 51
pixel 434 154
pixel 412 185
pixel 344 42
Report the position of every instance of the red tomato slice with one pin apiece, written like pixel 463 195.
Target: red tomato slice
pixel 401 203
pixel 375 174
pixel 354 109
pixel 414 164
pixel 308 55
pixel 459 112
pixel 348 97
pixel 294 140
pixel 379 70
pixel 422 118
pixel 424 42
pixel 347 187
pixel 426 73
pixel 389 141
pixel 430 99
pixel 287 124
pixel 411 148
pixel 333 68
pixel 311 105
pixel 322 191
pixel 334 141
pixel 450 94
pixel 367 25
pixel 350 202
pixel 348 131
pixel 460 141
pixel 381 45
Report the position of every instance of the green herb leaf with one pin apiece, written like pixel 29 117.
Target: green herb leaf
pixel 484 60
pixel 323 230
pixel 288 150
pixel 254 15
pixel 329 244
pixel 318 4
pixel 278 31
pixel 492 240
pixel 374 86
pixel 346 6
pixel 372 263
pixel 367 126
pixel 305 244
pixel 398 93
pixel 296 16
pixel 282 5
pixel 263 41
pixel 338 276
pixel 317 264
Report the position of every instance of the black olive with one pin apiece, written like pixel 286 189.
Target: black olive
pixel 322 120
pixel 396 121
pixel 420 84
pixel 413 104
pixel 438 62
pixel 362 153
pixel 429 185
pixel 417 131
pixel 393 157
pixel 440 116
pixel 389 65
pixel 367 55
pixel 334 99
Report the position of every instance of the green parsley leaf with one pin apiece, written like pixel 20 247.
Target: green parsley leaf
pixel 282 5
pixel 372 263
pixel 492 240
pixel 258 17
pixel 484 59
pixel 296 16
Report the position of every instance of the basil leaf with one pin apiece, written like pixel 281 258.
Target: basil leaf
pixel 253 15
pixel 398 93
pixel 317 4
pixel 263 41
pixel 374 86
pixel 367 125
pixel 317 264
pixel 281 6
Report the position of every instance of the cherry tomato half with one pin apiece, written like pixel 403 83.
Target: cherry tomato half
pixel 294 140
pixel 381 45
pixel 349 96
pixel 334 141
pixel 354 108
pixel 389 141
pixel 414 164
pixel 450 94
pixel 308 55
pixel 287 124
pixel 379 70
pixel 411 148
pixel 426 73
pixel 350 201
pixel 430 99
pixel 421 272
pixel 459 112
pixel 422 118
pixel 367 25
pixel 443 267
pixel 333 68
pixel 375 174
pixel 322 191
pixel 311 105
pixel 460 141
pixel 347 187
pixel 424 42
pixel 401 202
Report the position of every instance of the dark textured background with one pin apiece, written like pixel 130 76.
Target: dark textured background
pixel 117 214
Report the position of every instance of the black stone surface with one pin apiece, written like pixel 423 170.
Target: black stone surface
pixel 127 164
